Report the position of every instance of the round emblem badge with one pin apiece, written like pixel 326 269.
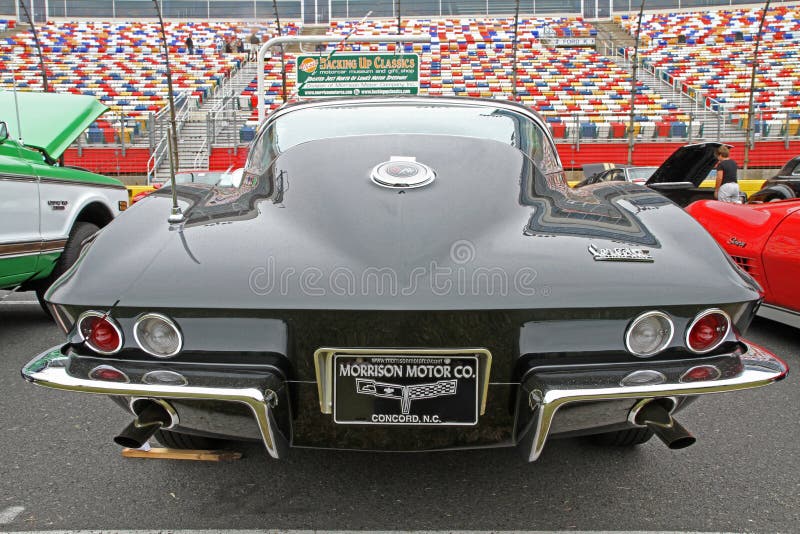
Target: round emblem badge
pixel 405 173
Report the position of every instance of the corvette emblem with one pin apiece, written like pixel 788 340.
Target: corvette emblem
pixel 402 172
pixel 620 254
pixel 441 388
pixel 737 242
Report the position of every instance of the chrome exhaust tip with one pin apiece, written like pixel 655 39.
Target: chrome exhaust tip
pixel 151 415
pixel 655 414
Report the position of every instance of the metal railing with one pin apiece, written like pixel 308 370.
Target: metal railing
pixel 42 10
pixel 159 129
pixel 322 11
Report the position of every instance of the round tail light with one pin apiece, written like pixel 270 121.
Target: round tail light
pixel 649 334
pixel 701 373
pixel 708 331
pixel 100 332
pixel 108 374
pixel 157 335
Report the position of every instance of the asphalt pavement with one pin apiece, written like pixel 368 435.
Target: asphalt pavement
pixel 60 470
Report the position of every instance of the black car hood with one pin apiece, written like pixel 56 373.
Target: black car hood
pixel 690 163
pixel 313 231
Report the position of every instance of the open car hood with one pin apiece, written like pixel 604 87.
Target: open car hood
pixel 690 163
pixel 49 121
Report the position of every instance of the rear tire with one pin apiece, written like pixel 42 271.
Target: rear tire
pixel 176 440
pixel 80 232
pixel 622 438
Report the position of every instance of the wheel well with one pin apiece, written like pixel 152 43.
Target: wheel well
pixel 95 213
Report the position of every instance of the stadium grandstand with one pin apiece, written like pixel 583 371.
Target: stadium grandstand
pixel 573 65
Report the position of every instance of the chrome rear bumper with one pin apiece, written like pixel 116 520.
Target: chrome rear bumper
pixel 49 370
pixel 542 392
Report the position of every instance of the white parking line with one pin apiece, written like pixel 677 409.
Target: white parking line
pixel 17 302
pixel 10 514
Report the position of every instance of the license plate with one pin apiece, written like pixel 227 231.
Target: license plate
pixel 405 389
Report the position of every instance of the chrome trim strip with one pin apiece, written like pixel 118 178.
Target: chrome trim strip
pixel 85 183
pixel 777 313
pixel 644 316
pixel 110 320
pixel 167 320
pixel 49 369
pixel 759 368
pixel 20 255
pixel 323 366
pixel 7 176
pixel 700 316
pixel 27 248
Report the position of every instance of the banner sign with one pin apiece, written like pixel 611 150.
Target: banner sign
pixel 572 41
pixel 358 75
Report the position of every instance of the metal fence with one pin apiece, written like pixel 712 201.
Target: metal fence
pixel 322 11
pixel 42 10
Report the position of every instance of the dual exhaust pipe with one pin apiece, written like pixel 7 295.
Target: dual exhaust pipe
pixel 154 414
pixel 151 415
pixel 656 414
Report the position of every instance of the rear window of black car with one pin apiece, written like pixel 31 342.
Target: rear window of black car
pixel 327 122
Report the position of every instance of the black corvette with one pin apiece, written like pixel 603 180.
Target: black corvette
pixel 404 274
pixel 782 186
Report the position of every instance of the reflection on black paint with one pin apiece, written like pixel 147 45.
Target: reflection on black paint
pixel 593 211
pixel 219 204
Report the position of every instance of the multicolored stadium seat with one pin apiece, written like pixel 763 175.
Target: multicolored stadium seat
pixel 708 55
pixel 121 63
pixel 575 88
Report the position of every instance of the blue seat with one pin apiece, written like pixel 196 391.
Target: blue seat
pixel 677 129
pixel 94 135
pixel 247 134
pixel 588 130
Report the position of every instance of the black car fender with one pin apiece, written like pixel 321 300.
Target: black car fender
pixel 772 192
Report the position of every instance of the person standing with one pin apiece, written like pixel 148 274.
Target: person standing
pixel 189 45
pixel 727 186
pixel 254 42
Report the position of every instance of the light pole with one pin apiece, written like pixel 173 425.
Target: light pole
pixel 631 133
pixel 750 111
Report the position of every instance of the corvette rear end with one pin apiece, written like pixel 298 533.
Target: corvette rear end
pixel 405 275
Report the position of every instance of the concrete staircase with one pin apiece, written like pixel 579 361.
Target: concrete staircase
pixel 217 119
pixel 612 39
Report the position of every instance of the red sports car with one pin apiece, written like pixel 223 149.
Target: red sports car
pixel 764 240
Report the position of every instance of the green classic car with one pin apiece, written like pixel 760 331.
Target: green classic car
pixel 46 209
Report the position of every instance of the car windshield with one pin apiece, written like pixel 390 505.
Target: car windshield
pixel 326 122
pixel 641 173
pixel 231 178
